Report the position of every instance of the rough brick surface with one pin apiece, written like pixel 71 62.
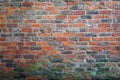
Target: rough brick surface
pixel 59 39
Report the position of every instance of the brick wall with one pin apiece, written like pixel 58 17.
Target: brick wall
pixel 59 39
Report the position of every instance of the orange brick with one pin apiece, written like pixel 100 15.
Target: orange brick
pixel 68 34
pixel 48 48
pixel 48 17
pixel 94 30
pixel 2 39
pixel 2 17
pixel 25 8
pixel 44 34
pixel 73 17
pixel 2 26
pixel 7 69
pixel 61 17
pixel 30 21
pixel 30 43
pixel 97 39
pixel 67 43
pixel 57 34
pixel 112 3
pixel 93 43
pixel 37 25
pixel 43 43
pixel 64 8
pixel 53 12
pixel 5 44
pixel 51 8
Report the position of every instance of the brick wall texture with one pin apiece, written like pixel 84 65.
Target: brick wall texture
pixel 59 39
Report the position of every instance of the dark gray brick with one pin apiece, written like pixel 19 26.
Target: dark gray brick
pixel 116 20
pixel 83 30
pixel 79 69
pixel 43 21
pixel 98 64
pixel 114 59
pixel 86 17
pixel 6 35
pixel 98 56
pixel 92 12
pixel 67 12
pixel 91 34
pixel 92 52
pixel 28 56
pixel 101 60
pixel 66 52
pixel 117 47
pixel 74 38
pixel 19 34
pixel 105 44
pixel 41 12
pixel 12 25
pixel 105 34
pixel 35 48
pixel 106 20
pixel 71 64
pixel 83 47
pixel 11 65
pixel 56 21
pixel 16 4
pixel 7 61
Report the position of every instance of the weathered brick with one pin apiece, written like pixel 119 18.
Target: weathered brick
pixel 80 13
pixel 67 12
pixel 6 35
pixel 15 4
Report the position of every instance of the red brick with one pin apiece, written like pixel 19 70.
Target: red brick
pixel 26 30
pixel 62 39
pixel 30 21
pixel 84 39
pixel 103 25
pixel 79 12
pixel 110 39
pixel 105 12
